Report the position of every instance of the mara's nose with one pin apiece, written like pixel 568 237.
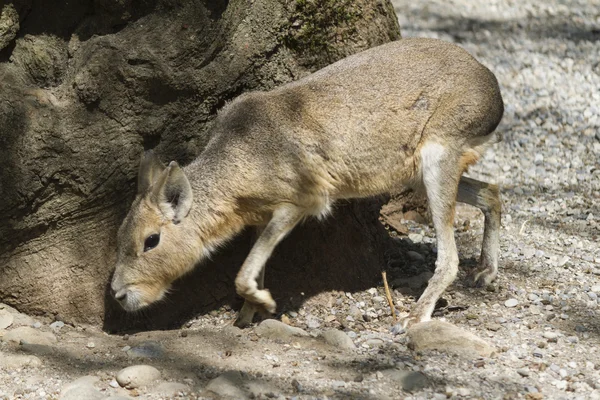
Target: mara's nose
pixel 121 295
pixel 118 292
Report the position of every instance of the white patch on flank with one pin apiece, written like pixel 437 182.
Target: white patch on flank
pixel 431 158
pixel 320 208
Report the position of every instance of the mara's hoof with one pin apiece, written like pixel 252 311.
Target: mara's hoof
pixel 411 320
pixel 481 276
pixel 262 299
pixel 246 315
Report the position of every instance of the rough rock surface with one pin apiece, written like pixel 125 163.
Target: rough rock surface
pixel 9 24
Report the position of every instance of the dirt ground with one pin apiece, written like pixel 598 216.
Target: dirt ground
pixel 541 317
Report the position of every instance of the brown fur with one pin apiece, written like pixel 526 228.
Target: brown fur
pixel 416 112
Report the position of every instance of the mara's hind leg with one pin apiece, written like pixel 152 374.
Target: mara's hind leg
pixel 247 281
pixel 441 173
pixel 486 197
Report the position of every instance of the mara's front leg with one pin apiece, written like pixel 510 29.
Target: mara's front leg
pixel 249 282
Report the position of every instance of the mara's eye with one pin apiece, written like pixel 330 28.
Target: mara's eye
pixel 151 241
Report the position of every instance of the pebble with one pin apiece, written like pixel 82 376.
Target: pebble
pixel 551 336
pixel 528 252
pixel 6 319
pixel 562 385
pixel 137 376
pixel 523 372
pixel 562 261
pixel 57 325
pixel 274 329
pixel 531 389
pixel 510 303
pixel 532 297
pixel 371 343
pixel 535 310
pixel 355 313
pixel 312 322
pixel 297 386
pixel 415 237
pixel 338 339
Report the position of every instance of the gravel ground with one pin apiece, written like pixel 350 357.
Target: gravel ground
pixel 540 319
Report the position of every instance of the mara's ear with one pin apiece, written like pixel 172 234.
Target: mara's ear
pixel 172 193
pixel 150 170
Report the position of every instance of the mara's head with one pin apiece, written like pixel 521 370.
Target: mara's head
pixel 154 244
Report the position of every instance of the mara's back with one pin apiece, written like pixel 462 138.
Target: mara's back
pixel 355 127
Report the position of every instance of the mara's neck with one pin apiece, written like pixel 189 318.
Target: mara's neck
pixel 213 217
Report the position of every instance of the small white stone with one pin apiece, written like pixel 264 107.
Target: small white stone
pixel 6 319
pixel 137 375
pixel 510 303
pixel 415 237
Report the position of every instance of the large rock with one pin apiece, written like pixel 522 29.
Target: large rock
pixel 338 339
pixel 445 337
pixel 6 319
pixel 92 84
pixel 28 335
pixel 274 329
pixel 137 376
